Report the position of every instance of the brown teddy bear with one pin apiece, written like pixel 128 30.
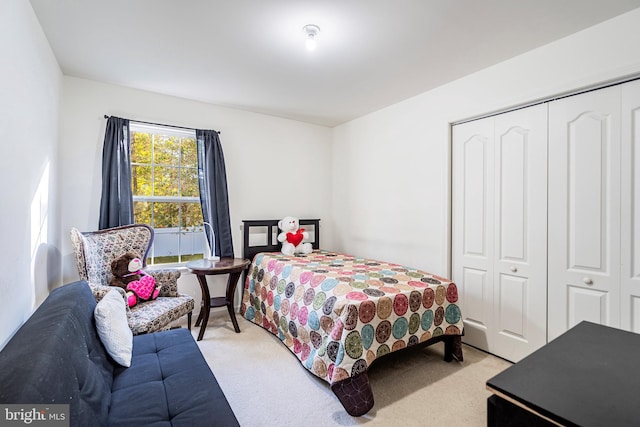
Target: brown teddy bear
pixel 128 275
pixel 124 270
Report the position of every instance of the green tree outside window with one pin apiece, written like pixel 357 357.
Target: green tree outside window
pixel 164 182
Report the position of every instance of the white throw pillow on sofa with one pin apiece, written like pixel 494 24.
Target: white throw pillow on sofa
pixel 113 328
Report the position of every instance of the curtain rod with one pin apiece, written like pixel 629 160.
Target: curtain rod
pixel 162 124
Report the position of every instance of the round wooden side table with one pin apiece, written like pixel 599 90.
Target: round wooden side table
pixel 204 267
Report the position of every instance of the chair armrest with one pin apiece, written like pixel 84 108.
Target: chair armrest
pixel 99 291
pixel 168 281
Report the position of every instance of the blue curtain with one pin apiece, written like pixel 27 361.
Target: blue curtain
pixel 214 197
pixel 116 203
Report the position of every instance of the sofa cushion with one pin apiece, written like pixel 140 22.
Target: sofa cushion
pixel 168 380
pixel 57 357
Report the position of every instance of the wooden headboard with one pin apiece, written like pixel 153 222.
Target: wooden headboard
pixel 272 244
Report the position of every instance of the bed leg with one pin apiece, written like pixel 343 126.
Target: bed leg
pixel 453 348
pixel 355 394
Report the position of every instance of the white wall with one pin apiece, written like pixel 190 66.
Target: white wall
pixel 30 81
pixel 275 167
pixel 391 168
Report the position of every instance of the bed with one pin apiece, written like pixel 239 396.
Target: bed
pixel 338 313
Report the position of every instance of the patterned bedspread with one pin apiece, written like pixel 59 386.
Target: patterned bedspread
pixel 338 313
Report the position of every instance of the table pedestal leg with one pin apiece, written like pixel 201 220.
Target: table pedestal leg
pixel 231 293
pixel 206 305
pixel 199 319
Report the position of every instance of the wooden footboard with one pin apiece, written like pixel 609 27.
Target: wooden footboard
pixel 355 393
pixel 453 348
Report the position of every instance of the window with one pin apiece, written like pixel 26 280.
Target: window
pixel 164 182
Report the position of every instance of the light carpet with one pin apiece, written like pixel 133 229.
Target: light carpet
pixel 266 385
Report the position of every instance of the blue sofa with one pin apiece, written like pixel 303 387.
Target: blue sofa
pixel 57 357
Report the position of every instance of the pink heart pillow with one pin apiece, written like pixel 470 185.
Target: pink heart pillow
pixel 145 288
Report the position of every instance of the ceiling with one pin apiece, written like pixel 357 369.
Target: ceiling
pixel 250 54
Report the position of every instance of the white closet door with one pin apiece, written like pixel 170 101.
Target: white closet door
pixel 499 230
pixel 630 225
pixel 472 260
pixel 584 210
pixel 520 232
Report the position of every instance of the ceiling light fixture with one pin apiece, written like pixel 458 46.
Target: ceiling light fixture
pixel 312 32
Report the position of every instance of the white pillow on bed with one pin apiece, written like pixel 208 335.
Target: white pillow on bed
pixel 113 328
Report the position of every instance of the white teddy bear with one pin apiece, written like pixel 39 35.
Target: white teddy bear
pixel 291 237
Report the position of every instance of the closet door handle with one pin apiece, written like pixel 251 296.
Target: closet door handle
pixel 514 269
pixel 588 281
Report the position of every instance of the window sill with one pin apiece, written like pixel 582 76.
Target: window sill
pixel 181 267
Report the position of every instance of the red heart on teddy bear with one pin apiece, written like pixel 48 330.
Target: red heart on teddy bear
pixel 296 238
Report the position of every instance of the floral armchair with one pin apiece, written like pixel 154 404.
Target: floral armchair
pixel 94 252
